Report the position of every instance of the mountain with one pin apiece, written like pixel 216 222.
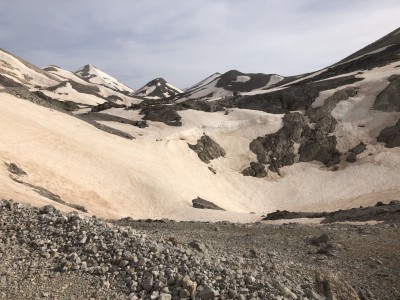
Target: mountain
pixel 93 75
pixel 203 82
pixel 321 141
pixel 158 89
pixel 101 91
pixel 22 72
pixel 219 85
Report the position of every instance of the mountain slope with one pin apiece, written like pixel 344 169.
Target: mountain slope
pixel 158 89
pixel 218 85
pixel 23 72
pixel 91 74
pixel 80 85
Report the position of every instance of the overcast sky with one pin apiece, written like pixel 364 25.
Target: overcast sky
pixel 184 41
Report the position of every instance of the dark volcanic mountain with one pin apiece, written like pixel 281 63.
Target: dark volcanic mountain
pixel 232 82
pixel 158 89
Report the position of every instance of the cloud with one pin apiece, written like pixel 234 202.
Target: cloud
pixel 185 41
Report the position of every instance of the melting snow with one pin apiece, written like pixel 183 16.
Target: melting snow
pixel 242 78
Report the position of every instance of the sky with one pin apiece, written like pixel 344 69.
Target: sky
pixel 185 41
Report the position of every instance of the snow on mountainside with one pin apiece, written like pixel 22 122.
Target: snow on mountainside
pixel 92 74
pixel 203 82
pixel 97 90
pixel 218 85
pixel 321 141
pixel 158 89
pixel 19 70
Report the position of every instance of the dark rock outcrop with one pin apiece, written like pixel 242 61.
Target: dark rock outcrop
pixel 389 98
pixel 160 113
pixel 106 105
pixel 352 155
pixel 297 97
pixel 316 143
pixel 63 105
pixel 204 204
pixel 256 169
pixel 106 117
pixel 207 149
pixel 321 148
pixel 380 212
pixel 229 81
pixel 390 136
pixel 277 149
pixel 14 169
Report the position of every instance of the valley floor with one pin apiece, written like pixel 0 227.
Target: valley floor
pixel 48 254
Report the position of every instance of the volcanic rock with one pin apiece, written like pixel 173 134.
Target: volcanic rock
pixel 207 149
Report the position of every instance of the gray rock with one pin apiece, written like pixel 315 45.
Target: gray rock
pixel 332 287
pixel 13 168
pixel 147 281
pixel 256 169
pixel 207 149
pixel 352 156
pixel 205 292
pixel 164 296
pixel 204 204
pixel 198 246
pixel 389 99
pixel 323 238
pixel 390 136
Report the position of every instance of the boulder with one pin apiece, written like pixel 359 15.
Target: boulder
pixel 13 168
pixel 389 99
pixel 332 287
pixel 207 149
pixel 256 169
pixel 390 136
pixel 204 204
pixel 352 155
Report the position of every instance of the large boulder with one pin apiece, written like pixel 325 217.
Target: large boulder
pixel 389 98
pixel 207 149
pixel 390 136
pixel 352 155
pixel 204 204
pixel 333 287
pixel 256 169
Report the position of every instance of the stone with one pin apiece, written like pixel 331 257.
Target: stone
pixel 164 296
pixel 188 284
pixel 323 238
pixel 205 204
pixel 352 155
pixel 147 281
pixel 256 169
pixel 14 169
pixel 389 99
pixel 184 293
pixel 198 246
pixel 390 136
pixel 205 292
pixel 332 287
pixel 207 149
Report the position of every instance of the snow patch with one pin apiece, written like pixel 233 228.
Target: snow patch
pixel 242 78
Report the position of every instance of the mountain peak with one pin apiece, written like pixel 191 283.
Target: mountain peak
pixel 92 74
pixel 158 88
